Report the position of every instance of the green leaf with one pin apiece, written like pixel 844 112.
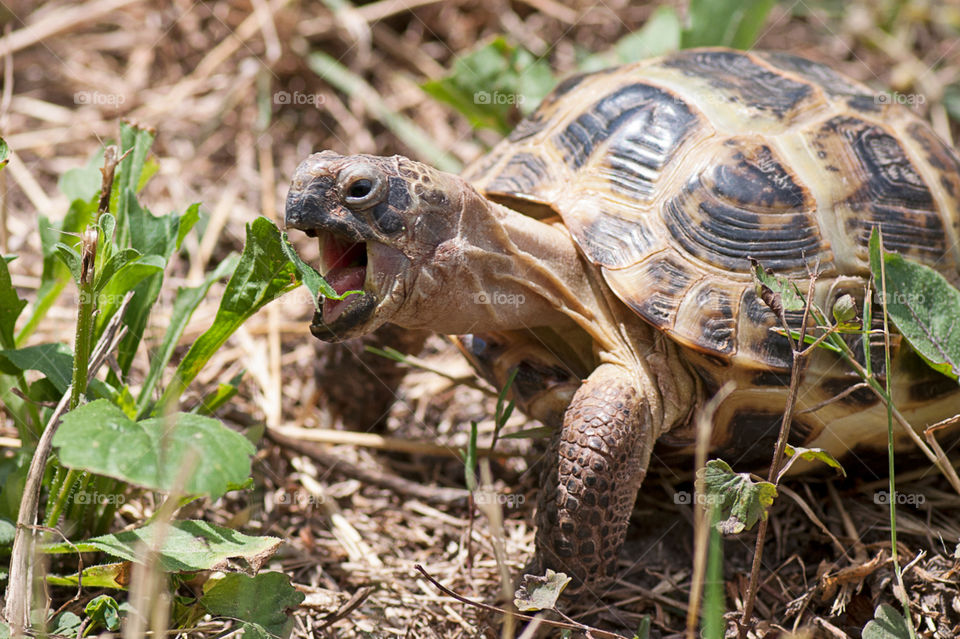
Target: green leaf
pixel 741 500
pixel 53 360
pixel 815 454
pixel 117 261
pixel 725 23
pixel 263 274
pixel 10 307
pixel 776 291
pixel 185 303
pixel 127 278
pixel 540 593
pixel 185 546
pixel 66 624
pixel 658 36
pixel 115 576
pixel 187 221
pixel 492 81
pixel 104 612
pixel 4 153
pixel 154 453
pixel 310 277
pixel 923 306
pixel 844 309
pixel 887 623
pixel 261 603
pixel 83 183
pixel 70 258
pixel 951 100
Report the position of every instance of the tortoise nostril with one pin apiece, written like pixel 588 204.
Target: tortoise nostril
pixel 361 188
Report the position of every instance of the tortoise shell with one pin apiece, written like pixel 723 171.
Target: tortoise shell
pixel 670 173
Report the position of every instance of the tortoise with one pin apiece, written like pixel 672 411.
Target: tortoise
pixel 603 250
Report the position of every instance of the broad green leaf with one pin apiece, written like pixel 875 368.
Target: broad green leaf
pixel 127 278
pixel 103 611
pixel 262 603
pixel 540 593
pixel 117 261
pixel 185 303
pixel 154 453
pixel 152 234
pixel 658 36
pixel 66 624
pixel 815 454
pixel 186 545
pixel 53 360
pixel 10 307
pixel 725 23
pixel 309 276
pixel 127 176
pixel 923 306
pixel 887 623
pixel 263 274
pixel 741 501
pixel 115 576
pixel 776 290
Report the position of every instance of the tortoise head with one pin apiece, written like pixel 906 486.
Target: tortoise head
pixel 381 223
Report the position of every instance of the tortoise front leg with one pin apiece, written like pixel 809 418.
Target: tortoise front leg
pixel 595 465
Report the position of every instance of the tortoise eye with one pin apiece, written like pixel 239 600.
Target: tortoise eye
pixel 362 186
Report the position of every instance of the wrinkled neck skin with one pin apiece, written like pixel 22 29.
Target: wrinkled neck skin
pixel 502 270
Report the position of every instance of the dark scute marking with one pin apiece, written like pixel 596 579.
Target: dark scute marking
pixel 753 436
pixel 932 389
pixel 832 82
pixel 894 194
pixel 939 155
pixel 640 150
pixel 860 398
pixel 666 115
pixel 864 103
pixel 759 181
pixel 743 80
pixel 774 351
pixel 667 279
pixel 612 241
pixel 521 175
pixel 387 219
pixel 717 323
pixel 398 196
pixel 730 232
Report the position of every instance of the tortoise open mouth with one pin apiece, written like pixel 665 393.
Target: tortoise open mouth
pixel 344 265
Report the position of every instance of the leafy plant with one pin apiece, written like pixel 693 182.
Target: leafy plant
pixel 91 442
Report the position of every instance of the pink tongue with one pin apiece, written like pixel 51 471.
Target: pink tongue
pixel 342 279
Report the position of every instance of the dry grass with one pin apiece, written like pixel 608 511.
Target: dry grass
pixel 206 76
